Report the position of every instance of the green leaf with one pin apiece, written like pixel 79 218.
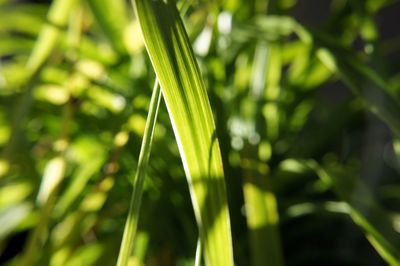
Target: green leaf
pixel 364 83
pixel 261 206
pixel 133 215
pixel 358 202
pixel 185 95
pixel 14 45
pixel 91 156
pixel 112 18
pixel 11 217
pixel 364 210
pixel 15 18
pixel 57 18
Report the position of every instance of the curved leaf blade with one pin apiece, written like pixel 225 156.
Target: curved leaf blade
pixel 185 95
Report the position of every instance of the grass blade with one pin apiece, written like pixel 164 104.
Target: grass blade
pixel 132 221
pixel 197 260
pixel 185 95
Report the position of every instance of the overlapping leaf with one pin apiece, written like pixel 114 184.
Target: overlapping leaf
pixel 185 95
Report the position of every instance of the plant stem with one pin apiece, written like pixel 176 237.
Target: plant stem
pixel 199 250
pixel 132 220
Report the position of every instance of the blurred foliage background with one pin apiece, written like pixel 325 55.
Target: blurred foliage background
pixel 306 102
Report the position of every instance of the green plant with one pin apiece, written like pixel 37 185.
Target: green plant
pixel 273 138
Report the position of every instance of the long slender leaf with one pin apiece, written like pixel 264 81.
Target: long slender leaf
pixel 185 95
pixel 132 221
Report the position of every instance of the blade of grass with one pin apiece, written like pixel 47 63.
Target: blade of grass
pixel 197 260
pixel 133 215
pixel 185 95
